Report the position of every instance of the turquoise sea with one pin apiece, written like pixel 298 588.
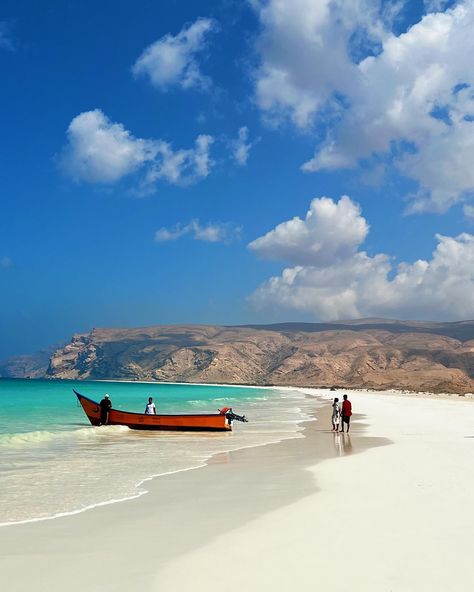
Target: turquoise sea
pixel 53 462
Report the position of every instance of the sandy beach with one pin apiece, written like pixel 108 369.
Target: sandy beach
pixel 384 509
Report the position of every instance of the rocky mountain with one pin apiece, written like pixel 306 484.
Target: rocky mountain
pixel 369 353
pixel 27 366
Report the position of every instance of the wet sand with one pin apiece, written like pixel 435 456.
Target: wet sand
pixel 394 518
pixel 122 546
pixel 383 509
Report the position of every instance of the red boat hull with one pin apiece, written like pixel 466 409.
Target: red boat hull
pixel 212 422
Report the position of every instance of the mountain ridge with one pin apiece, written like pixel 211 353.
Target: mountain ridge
pixel 365 353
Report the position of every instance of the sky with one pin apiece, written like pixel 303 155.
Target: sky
pixel 233 162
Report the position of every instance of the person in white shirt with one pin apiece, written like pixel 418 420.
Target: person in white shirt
pixel 150 409
pixel 336 415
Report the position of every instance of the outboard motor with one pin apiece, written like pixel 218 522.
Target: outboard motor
pixel 231 416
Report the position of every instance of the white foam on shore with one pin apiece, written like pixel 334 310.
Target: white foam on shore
pixel 66 483
pixel 21 439
pixel 100 504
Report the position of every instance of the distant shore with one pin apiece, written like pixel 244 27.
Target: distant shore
pixel 322 390
pixel 311 390
pixel 281 515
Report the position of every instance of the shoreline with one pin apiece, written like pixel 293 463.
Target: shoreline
pixel 394 516
pixel 326 389
pixel 204 503
pixel 319 395
pixel 140 491
pixel 281 513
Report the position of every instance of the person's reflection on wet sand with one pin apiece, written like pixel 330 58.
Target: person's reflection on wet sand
pixel 342 444
pixel 338 444
pixel 346 443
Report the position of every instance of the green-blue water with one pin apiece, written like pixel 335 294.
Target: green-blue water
pixel 53 462
pixel 36 405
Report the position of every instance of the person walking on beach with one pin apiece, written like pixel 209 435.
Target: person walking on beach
pixel 105 406
pixel 150 408
pixel 336 415
pixel 346 413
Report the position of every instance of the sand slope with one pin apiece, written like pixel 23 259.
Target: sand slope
pixel 394 518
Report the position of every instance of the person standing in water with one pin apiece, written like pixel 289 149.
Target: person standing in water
pixel 336 415
pixel 150 408
pixel 346 413
pixel 105 406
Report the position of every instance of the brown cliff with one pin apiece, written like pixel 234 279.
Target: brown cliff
pixel 374 353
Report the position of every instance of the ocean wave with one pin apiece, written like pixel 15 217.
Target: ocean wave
pixel 43 436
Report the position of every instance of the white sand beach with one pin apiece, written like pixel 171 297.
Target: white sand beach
pixel 385 509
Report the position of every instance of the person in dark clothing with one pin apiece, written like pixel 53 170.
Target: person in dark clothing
pixel 105 407
pixel 346 413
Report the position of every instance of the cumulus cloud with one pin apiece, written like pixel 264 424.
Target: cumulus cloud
pixel 357 285
pixel 5 262
pixel 210 233
pixel 180 167
pixel 411 97
pixel 331 231
pixel 172 60
pixel 304 53
pixel 241 146
pixel 101 151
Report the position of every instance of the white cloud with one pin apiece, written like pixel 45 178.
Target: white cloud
pixel 180 167
pixel 100 151
pixel 469 211
pixel 328 293
pixel 330 232
pixel 210 233
pixel 412 99
pixel 358 285
pixel 436 5
pixel 241 146
pixel 5 262
pixel 443 168
pixel 171 61
pixel 202 160
pixel 304 53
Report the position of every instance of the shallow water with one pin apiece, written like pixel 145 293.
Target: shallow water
pixel 53 462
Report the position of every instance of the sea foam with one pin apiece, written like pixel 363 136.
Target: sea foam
pixel 55 472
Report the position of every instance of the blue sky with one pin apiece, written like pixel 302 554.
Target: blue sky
pixel 154 158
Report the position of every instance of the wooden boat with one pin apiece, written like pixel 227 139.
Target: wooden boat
pixel 203 422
